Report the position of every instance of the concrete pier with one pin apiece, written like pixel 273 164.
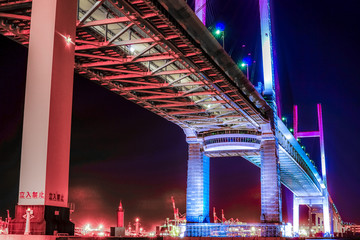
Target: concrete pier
pixel 197 192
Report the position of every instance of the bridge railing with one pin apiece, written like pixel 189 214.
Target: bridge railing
pixel 292 147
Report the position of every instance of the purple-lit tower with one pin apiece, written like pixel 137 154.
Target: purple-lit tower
pixel 200 10
pixel 324 199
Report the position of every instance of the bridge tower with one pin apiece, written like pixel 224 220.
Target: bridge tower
pixel 271 211
pixel 200 10
pixel 324 199
pixel 197 209
pixel 198 173
pixel 198 181
pixel 44 171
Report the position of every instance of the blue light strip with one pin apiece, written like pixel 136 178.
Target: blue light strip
pixel 266 43
pixel 198 180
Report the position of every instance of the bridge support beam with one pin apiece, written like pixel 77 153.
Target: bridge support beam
pixel 326 214
pixel 197 192
pixel 270 180
pixel 44 171
pixel 295 216
pixel 321 220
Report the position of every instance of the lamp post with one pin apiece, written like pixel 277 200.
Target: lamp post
pixel 247 69
pixel 222 33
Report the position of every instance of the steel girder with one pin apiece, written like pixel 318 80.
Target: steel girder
pixel 133 49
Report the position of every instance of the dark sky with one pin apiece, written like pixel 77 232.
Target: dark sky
pixel 122 151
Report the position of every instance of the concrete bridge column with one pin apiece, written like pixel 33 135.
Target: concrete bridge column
pixel 295 216
pixel 197 192
pixel 326 217
pixel 270 179
pixel 44 170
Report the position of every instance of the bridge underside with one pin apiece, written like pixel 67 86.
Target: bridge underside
pixel 135 49
pixel 157 54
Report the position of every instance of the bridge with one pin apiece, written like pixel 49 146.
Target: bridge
pixel 159 55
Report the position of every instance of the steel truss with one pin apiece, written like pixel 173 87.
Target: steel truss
pixel 133 49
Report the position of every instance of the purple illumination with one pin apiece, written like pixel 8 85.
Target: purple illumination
pixel 295 112
pixel 267 56
pixel 319 134
pixel 200 10
pixel 308 134
pixel 322 144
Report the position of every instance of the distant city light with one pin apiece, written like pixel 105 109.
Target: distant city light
pixel 87 227
pixel 283 118
pixel 217 32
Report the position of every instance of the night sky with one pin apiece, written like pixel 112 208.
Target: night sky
pixel 120 151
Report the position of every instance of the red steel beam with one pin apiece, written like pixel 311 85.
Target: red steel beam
pixel 120 70
pixel 169 101
pixel 118 61
pixel 122 43
pixel 14 3
pixel 15 16
pixel 138 82
pixel 143 74
pixel 104 22
pixel 90 11
pixel 187 112
pixel 176 95
pixel 156 86
pixel 185 104
pixel 113 20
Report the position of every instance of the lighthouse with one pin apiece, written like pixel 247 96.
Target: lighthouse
pixel 120 216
